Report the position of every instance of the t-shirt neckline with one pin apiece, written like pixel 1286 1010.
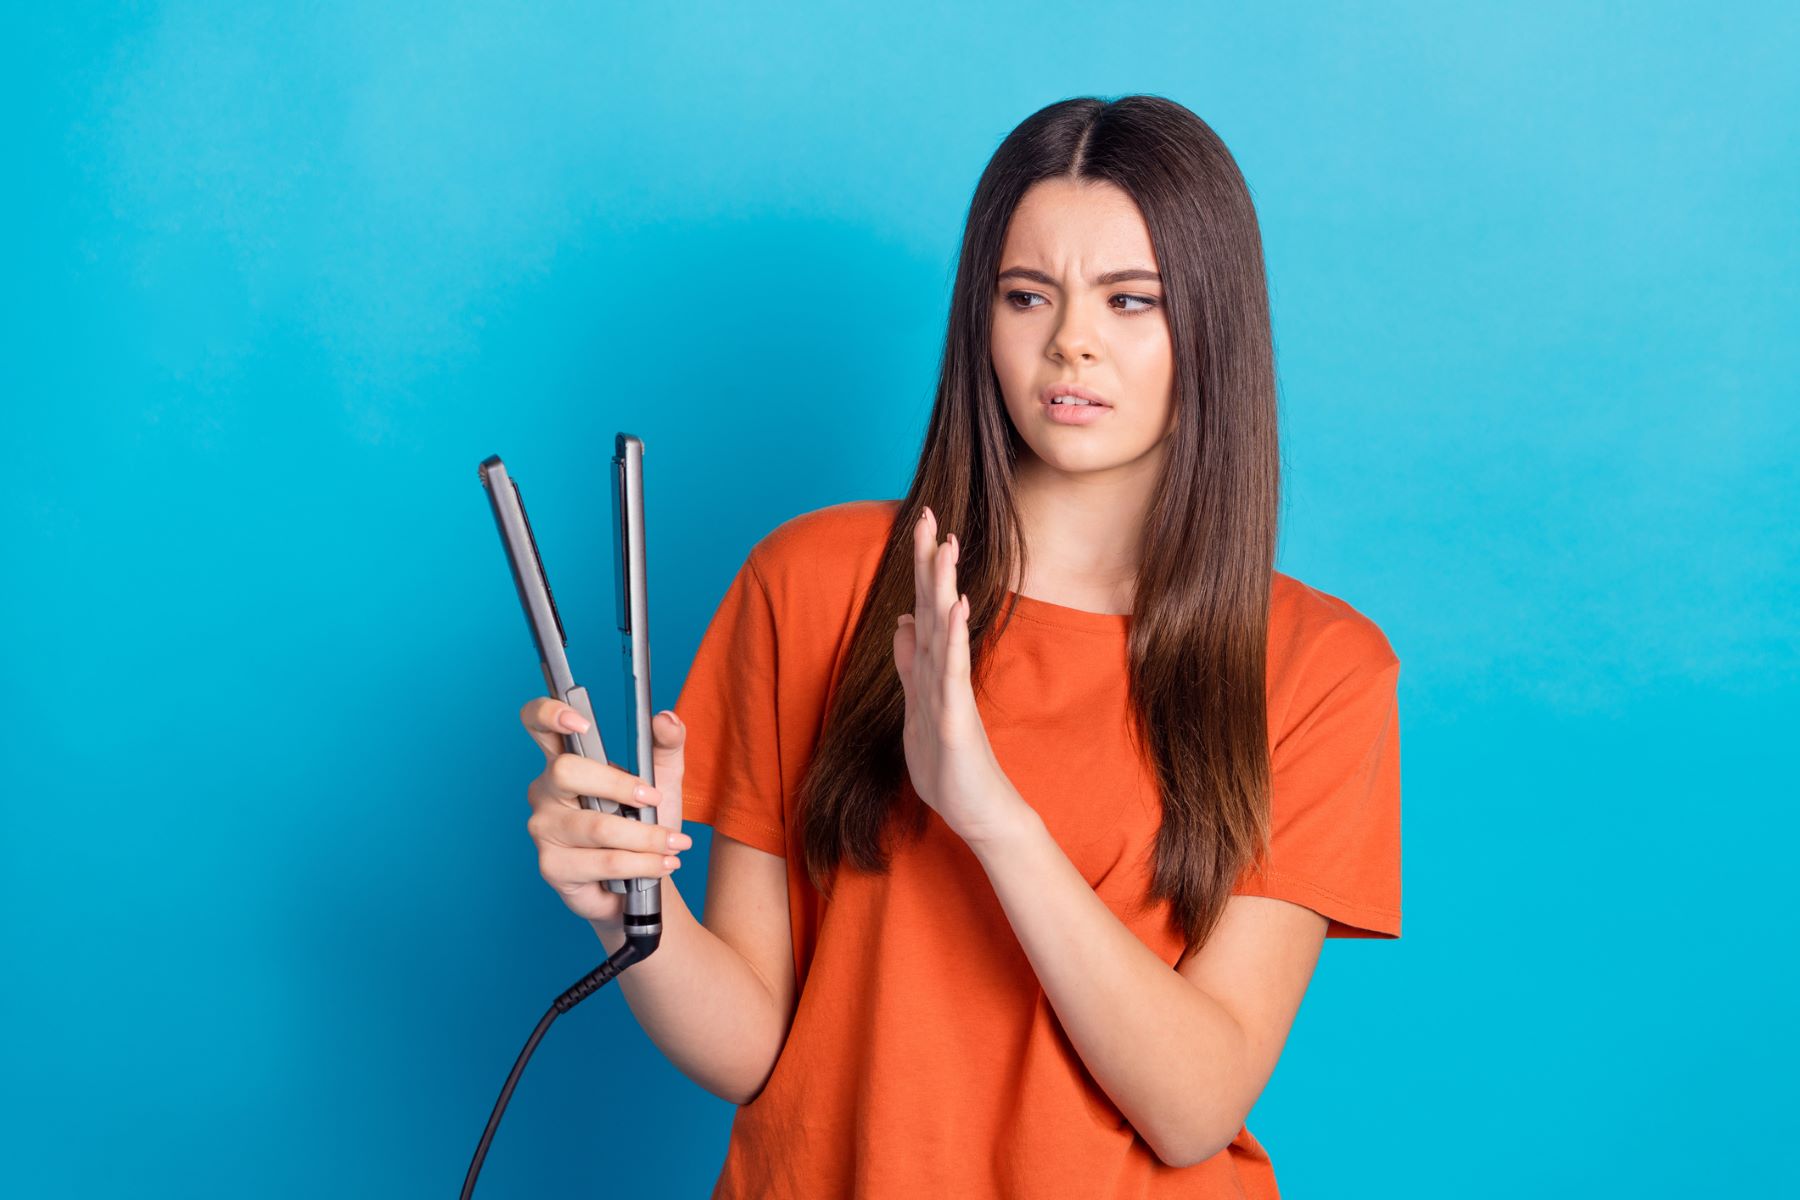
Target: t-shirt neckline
pixel 1069 618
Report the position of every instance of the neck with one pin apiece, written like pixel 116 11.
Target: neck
pixel 1082 535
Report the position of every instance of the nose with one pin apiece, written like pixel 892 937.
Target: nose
pixel 1073 338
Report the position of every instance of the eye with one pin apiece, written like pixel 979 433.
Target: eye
pixel 1147 301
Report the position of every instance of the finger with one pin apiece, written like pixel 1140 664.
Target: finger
pixel 924 556
pixel 542 793
pixel 943 596
pixel 956 657
pixel 571 775
pixel 905 639
pixel 567 867
pixel 668 760
pixel 590 829
pixel 547 719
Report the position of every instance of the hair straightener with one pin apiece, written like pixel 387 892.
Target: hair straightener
pixel 643 897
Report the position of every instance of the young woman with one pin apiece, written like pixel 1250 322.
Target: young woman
pixel 1036 791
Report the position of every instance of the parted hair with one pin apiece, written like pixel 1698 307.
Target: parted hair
pixel 1198 638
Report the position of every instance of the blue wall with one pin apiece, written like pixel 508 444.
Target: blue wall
pixel 278 276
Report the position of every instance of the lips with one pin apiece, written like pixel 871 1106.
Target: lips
pixel 1075 414
pixel 1049 394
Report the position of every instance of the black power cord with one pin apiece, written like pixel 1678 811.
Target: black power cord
pixel 636 949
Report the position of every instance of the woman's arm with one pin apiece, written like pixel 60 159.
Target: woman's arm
pixel 1183 1062
pixel 718 1001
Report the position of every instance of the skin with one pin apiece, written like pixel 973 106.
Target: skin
pixel 1082 489
pixel 1060 314
pixel 1183 1052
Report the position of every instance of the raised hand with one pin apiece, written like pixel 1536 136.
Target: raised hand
pixel 947 752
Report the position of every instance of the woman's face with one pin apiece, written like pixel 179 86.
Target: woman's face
pixel 1077 301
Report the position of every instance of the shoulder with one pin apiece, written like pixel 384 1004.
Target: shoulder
pixel 829 552
pixel 835 530
pixel 1319 634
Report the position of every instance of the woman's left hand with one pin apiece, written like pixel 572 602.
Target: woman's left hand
pixel 947 752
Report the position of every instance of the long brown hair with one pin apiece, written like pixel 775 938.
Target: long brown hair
pixel 1199 629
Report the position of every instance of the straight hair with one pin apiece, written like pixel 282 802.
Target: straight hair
pixel 1198 639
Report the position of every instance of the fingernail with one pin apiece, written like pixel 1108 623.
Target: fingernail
pixel 680 841
pixel 929 513
pixel 574 722
pixel 671 862
pixel 640 792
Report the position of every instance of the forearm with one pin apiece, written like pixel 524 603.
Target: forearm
pixel 1159 1046
pixel 702 1004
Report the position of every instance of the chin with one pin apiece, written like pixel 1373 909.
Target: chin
pixel 1076 459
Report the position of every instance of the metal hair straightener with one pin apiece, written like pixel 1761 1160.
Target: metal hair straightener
pixel 643 897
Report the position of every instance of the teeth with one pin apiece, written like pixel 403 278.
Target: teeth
pixel 1069 400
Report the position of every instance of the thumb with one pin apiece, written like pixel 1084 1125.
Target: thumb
pixel 667 757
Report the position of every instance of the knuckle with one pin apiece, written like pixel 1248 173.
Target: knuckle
pixel 632 864
pixel 642 836
pixel 624 790
pixel 627 833
pixel 563 771
pixel 539 711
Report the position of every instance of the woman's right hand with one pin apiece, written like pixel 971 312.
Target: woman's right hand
pixel 578 847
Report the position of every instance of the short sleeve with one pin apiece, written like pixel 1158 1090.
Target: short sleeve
pixel 731 777
pixel 1335 807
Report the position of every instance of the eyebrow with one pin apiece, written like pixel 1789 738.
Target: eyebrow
pixel 1120 276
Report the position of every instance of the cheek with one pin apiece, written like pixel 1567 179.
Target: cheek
pixel 1012 361
pixel 1148 363
pixel 1149 350
pixel 1003 339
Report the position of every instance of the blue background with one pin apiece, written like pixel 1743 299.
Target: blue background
pixel 278 276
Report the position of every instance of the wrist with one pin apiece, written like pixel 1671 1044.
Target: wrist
pixel 610 933
pixel 1013 823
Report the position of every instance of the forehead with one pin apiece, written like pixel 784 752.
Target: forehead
pixel 1090 221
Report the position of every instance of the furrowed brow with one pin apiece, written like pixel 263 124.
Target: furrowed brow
pixel 1111 277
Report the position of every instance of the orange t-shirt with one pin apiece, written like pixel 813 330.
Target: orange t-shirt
pixel 924 1058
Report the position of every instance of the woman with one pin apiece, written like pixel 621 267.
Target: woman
pixel 1036 791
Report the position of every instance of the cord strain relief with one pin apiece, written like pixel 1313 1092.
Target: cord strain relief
pixel 598 978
